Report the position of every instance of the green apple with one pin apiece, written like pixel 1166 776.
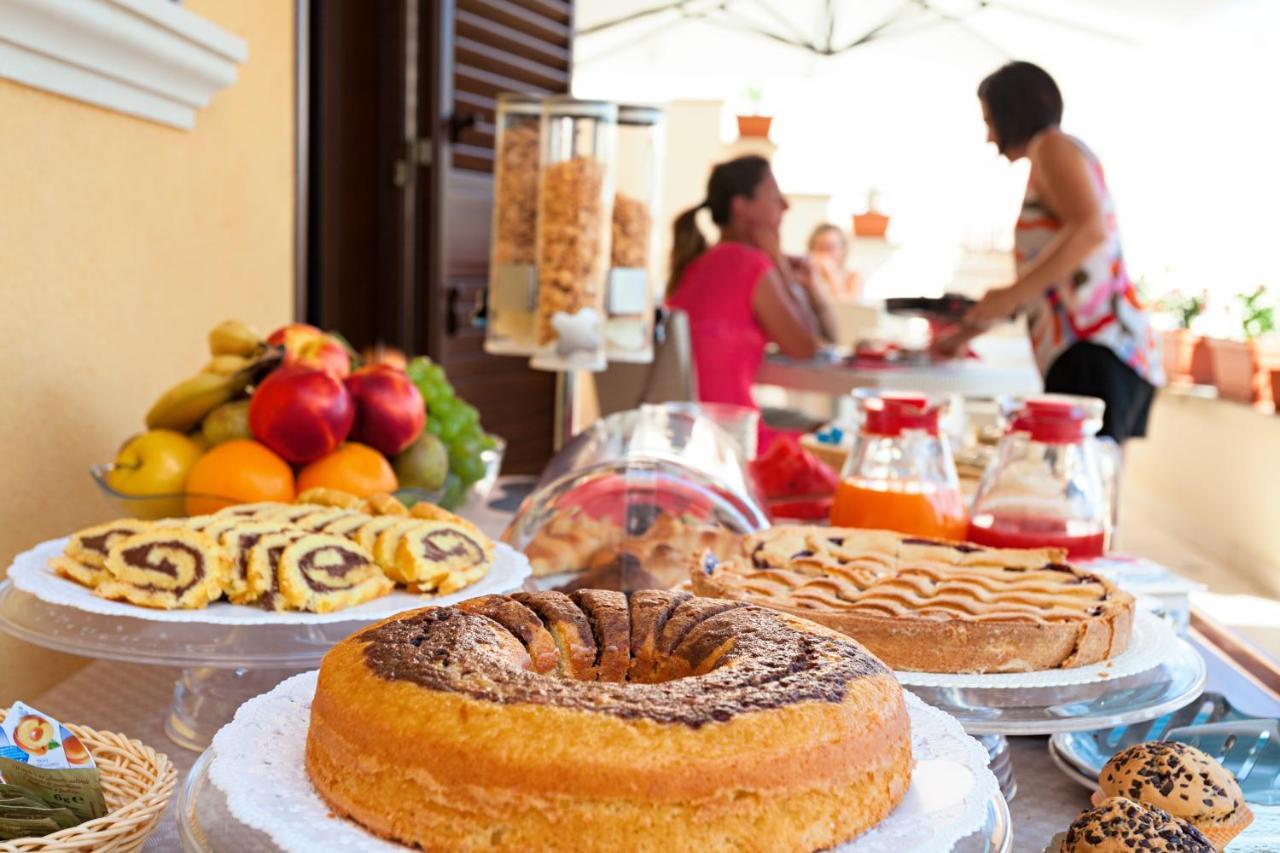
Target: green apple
pixel 424 464
pixel 154 463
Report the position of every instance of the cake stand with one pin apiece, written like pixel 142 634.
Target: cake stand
pixel 206 825
pixel 225 658
pixel 222 665
pixel 992 714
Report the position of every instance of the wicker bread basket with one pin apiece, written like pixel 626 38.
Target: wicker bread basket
pixel 137 782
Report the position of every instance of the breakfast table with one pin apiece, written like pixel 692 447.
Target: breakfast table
pixel 135 699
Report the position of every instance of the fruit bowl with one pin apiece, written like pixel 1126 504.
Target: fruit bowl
pixel 160 505
pixel 170 505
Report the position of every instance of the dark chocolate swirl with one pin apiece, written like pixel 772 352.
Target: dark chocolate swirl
pixel 693 660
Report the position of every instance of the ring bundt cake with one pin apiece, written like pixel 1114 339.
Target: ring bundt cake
pixel 598 721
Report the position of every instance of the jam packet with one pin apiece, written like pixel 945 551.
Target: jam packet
pixel 48 780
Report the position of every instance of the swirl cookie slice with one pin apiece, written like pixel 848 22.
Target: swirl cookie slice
pixel 238 543
pixel 442 556
pixel 166 568
pixel 84 559
pixel 322 573
pixel 264 562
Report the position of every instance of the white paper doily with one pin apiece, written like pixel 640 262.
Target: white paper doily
pixel 269 790
pixel 1153 641
pixel 30 573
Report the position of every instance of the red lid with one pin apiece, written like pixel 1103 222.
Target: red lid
pixel 890 414
pixel 1056 419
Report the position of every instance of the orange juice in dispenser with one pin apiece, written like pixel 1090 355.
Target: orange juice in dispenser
pixel 900 475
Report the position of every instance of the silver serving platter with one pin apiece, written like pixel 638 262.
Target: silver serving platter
pixel 1248 748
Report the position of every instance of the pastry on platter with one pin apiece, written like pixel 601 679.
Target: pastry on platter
pixel 532 722
pixel 569 541
pixel 1183 781
pixel 923 605
pixel 1120 825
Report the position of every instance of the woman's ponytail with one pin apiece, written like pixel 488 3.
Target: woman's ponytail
pixel 729 180
pixel 687 244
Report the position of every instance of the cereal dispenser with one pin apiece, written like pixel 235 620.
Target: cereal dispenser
pixel 575 210
pixel 513 276
pixel 634 276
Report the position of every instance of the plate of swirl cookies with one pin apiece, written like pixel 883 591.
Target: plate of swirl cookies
pixel 264 563
pixel 936 610
pixel 600 721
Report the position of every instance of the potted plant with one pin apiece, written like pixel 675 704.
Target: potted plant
pixel 1242 368
pixel 755 124
pixel 1181 346
pixel 873 223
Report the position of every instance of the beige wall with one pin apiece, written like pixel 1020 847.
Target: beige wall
pixel 121 243
pixel 1207 482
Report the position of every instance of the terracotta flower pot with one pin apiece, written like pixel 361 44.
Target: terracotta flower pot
pixel 1178 346
pixel 870 224
pixel 1241 369
pixel 754 126
pixel 1201 367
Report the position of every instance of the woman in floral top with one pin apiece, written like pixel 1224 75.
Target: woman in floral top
pixel 1089 331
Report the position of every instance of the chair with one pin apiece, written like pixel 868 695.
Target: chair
pixel 670 376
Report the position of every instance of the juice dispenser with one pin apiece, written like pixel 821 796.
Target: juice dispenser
pixel 1045 486
pixel 900 475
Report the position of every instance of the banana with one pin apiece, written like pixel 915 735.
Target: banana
pixel 231 337
pixel 185 404
pixel 226 365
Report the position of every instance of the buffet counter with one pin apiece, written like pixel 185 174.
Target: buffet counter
pixel 132 698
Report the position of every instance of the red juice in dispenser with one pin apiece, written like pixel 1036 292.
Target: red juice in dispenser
pixel 1045 487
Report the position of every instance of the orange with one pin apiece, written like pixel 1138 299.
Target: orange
pixel 240 471
pixel 353 468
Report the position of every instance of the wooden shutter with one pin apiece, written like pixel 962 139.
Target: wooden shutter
pixel 481 48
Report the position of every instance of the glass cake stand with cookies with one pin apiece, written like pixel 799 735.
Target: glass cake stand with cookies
pixel 243 597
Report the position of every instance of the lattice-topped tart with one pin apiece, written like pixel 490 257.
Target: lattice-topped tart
pixel 928 606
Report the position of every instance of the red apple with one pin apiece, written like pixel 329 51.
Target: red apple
pixel 301 412
pixel 389 410
pixel 308 345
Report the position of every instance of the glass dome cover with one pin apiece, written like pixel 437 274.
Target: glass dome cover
pixel 656 471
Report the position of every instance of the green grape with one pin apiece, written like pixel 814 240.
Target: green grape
pixel 450 426
pixel 433 424
pixel 489 442
pixel 435 398
pixel 417 370
pixel 454 491
pixel 470 414
pixel 470 469
pixel 468 445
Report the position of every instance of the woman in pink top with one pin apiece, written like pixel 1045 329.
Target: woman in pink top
pixel 742 292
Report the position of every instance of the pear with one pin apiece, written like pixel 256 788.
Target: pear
pixel 424 465
pixel 228 422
